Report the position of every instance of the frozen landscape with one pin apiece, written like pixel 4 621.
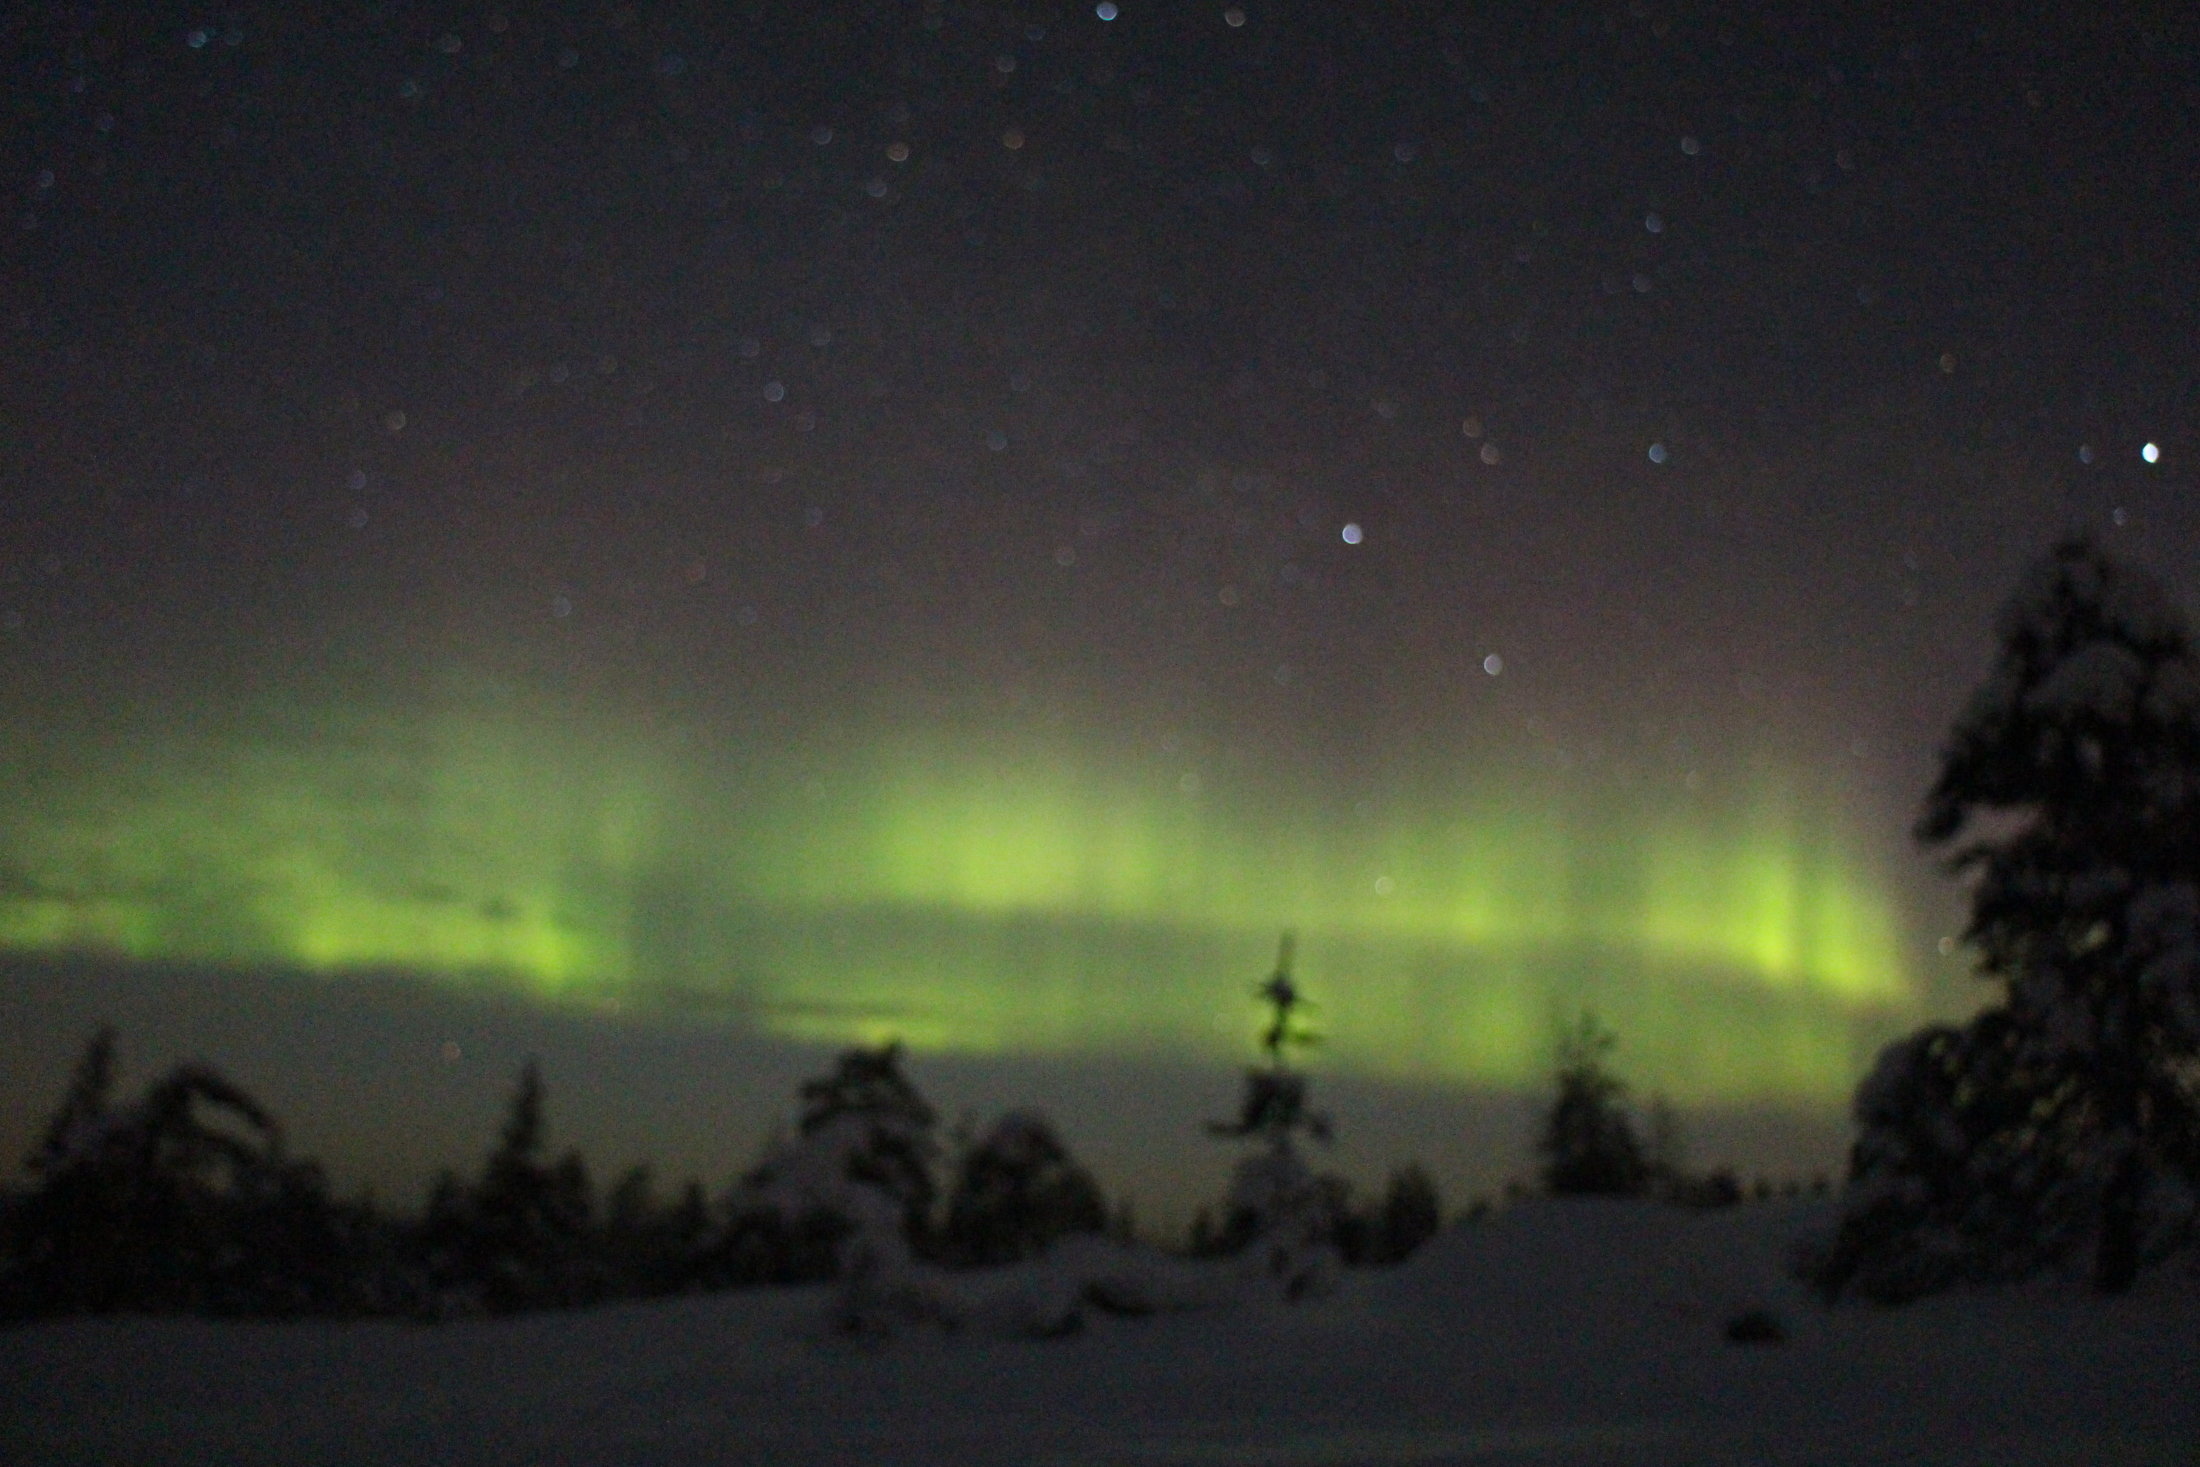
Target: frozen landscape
pixel 808 591
pixel 1558 1331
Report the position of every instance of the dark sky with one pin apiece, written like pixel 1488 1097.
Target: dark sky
pixel 779 381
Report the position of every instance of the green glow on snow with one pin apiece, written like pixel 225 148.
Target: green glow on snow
pixel 981 895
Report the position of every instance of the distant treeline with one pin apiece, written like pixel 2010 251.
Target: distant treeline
pixel 187 1199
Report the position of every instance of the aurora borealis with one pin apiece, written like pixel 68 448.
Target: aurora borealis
pixel 766 526
pixel 986 899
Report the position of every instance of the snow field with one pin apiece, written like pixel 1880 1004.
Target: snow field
pixel 1558 1332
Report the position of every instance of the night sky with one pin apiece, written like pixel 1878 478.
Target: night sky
pixel 675 537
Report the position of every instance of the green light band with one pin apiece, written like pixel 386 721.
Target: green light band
pixel 980 894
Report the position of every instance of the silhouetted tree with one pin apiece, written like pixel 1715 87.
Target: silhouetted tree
pixel 1589 1143
pixel 294 1249
pixel 443 1245
pixel 1716 1188
pixel 2067 1115
pixel 1410 1214
pixel 181 1201
pixel 84 1107
pixel 1017 1190
pixel 1389 1229
pixel 520 1239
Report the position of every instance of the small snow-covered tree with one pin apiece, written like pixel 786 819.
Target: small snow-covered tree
pixel 1016 1190
pixel 849 1194
pixel 880 1127
pixel 1278 1210
pixel 1589 1143
pixel 2068 1114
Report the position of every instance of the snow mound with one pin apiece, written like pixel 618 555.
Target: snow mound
pixel 1046 1296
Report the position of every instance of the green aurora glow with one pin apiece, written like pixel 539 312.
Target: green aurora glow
pixel 983 895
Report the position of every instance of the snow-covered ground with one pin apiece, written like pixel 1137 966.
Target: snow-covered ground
pixel 1554 1333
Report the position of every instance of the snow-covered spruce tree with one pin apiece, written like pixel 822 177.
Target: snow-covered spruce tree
pixel 1279 1213
pixel 849 1194
pixel 1016 1190
pixel 2066 1117
pixel 1589 1143
pixel 1950 1180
